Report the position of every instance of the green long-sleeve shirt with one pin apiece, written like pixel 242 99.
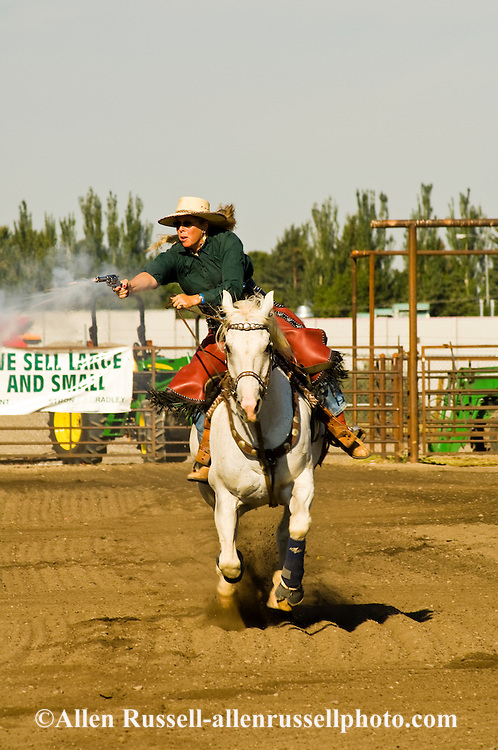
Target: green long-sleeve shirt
pixel 221 264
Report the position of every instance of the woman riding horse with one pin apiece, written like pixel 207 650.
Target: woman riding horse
pixel 206 259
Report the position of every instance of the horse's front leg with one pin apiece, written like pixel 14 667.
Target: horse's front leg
pixel 287 588
pixel 226 519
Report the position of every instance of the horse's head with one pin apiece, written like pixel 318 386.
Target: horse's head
pixel 247 333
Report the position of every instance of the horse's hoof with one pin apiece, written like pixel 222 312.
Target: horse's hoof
pixel 288 597
pixel 282 605
pixel 225 594
pixel 282 597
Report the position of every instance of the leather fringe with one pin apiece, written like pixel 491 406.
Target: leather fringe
pixel 169 401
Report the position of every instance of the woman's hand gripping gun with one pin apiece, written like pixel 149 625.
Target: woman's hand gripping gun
pixel 111 280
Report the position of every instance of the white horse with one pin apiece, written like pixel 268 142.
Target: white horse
pixel 262 449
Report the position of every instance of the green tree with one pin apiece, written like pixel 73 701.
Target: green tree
pixel 432 270
pixel 135 236
pixel 449 284
pixel 113 231
pixel 284 272
pixel 262 264
pixel 359 235
pixel 320 253
pixel 5 257
pixel 492 269
pixel 30 257
pixel 68 237
pixel 328 270
pixel 333 297
pixel 93 243
pixel 472 271
pixel 32 252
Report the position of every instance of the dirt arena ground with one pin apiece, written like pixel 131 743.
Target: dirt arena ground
pixel 109 619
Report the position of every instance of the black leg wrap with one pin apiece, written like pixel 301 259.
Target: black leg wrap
pixel 293 570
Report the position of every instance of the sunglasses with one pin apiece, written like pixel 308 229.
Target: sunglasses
pixel 187 223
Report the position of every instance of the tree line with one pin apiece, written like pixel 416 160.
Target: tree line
pixel 35 260
pixel 310 264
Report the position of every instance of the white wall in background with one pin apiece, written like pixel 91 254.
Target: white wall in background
pixel 120 327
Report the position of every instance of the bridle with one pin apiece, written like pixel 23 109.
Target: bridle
pixel 232 383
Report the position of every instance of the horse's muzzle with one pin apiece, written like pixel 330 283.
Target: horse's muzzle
pixel 250 412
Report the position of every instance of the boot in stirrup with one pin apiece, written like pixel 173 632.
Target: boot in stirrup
pixel 200 469
pixel 360 450
pixel 199 473
pixel 349 440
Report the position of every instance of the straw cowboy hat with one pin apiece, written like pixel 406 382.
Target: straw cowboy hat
pixel 188 206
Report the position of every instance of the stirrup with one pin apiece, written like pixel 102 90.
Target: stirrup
pixel 199 473
pixel 358 449
pixel 349 440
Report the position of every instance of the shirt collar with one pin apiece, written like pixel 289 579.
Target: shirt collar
pixel 186 251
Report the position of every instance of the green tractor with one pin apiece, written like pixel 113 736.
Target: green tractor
pixel 83 438
pixel 469 412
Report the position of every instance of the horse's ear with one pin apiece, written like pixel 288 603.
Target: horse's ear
pixel 226 302
pixel 267 304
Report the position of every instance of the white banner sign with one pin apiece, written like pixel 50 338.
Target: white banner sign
pixel 93 380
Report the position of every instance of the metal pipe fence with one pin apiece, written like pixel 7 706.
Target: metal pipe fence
pixel 458 411
pixel 459 395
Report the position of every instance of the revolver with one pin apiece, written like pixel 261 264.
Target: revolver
pixel 111 280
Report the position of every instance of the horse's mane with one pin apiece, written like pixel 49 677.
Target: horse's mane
pixel 249 311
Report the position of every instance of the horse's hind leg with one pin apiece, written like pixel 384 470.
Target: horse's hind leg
pixel 287 590
pixel 282 544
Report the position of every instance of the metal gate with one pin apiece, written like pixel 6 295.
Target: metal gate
pixel 459 395
pixel 457 399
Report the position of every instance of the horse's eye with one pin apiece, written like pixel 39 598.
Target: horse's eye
pixel 227 349
pixel 268 349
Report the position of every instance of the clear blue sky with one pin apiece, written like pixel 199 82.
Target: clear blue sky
pixel 272 104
